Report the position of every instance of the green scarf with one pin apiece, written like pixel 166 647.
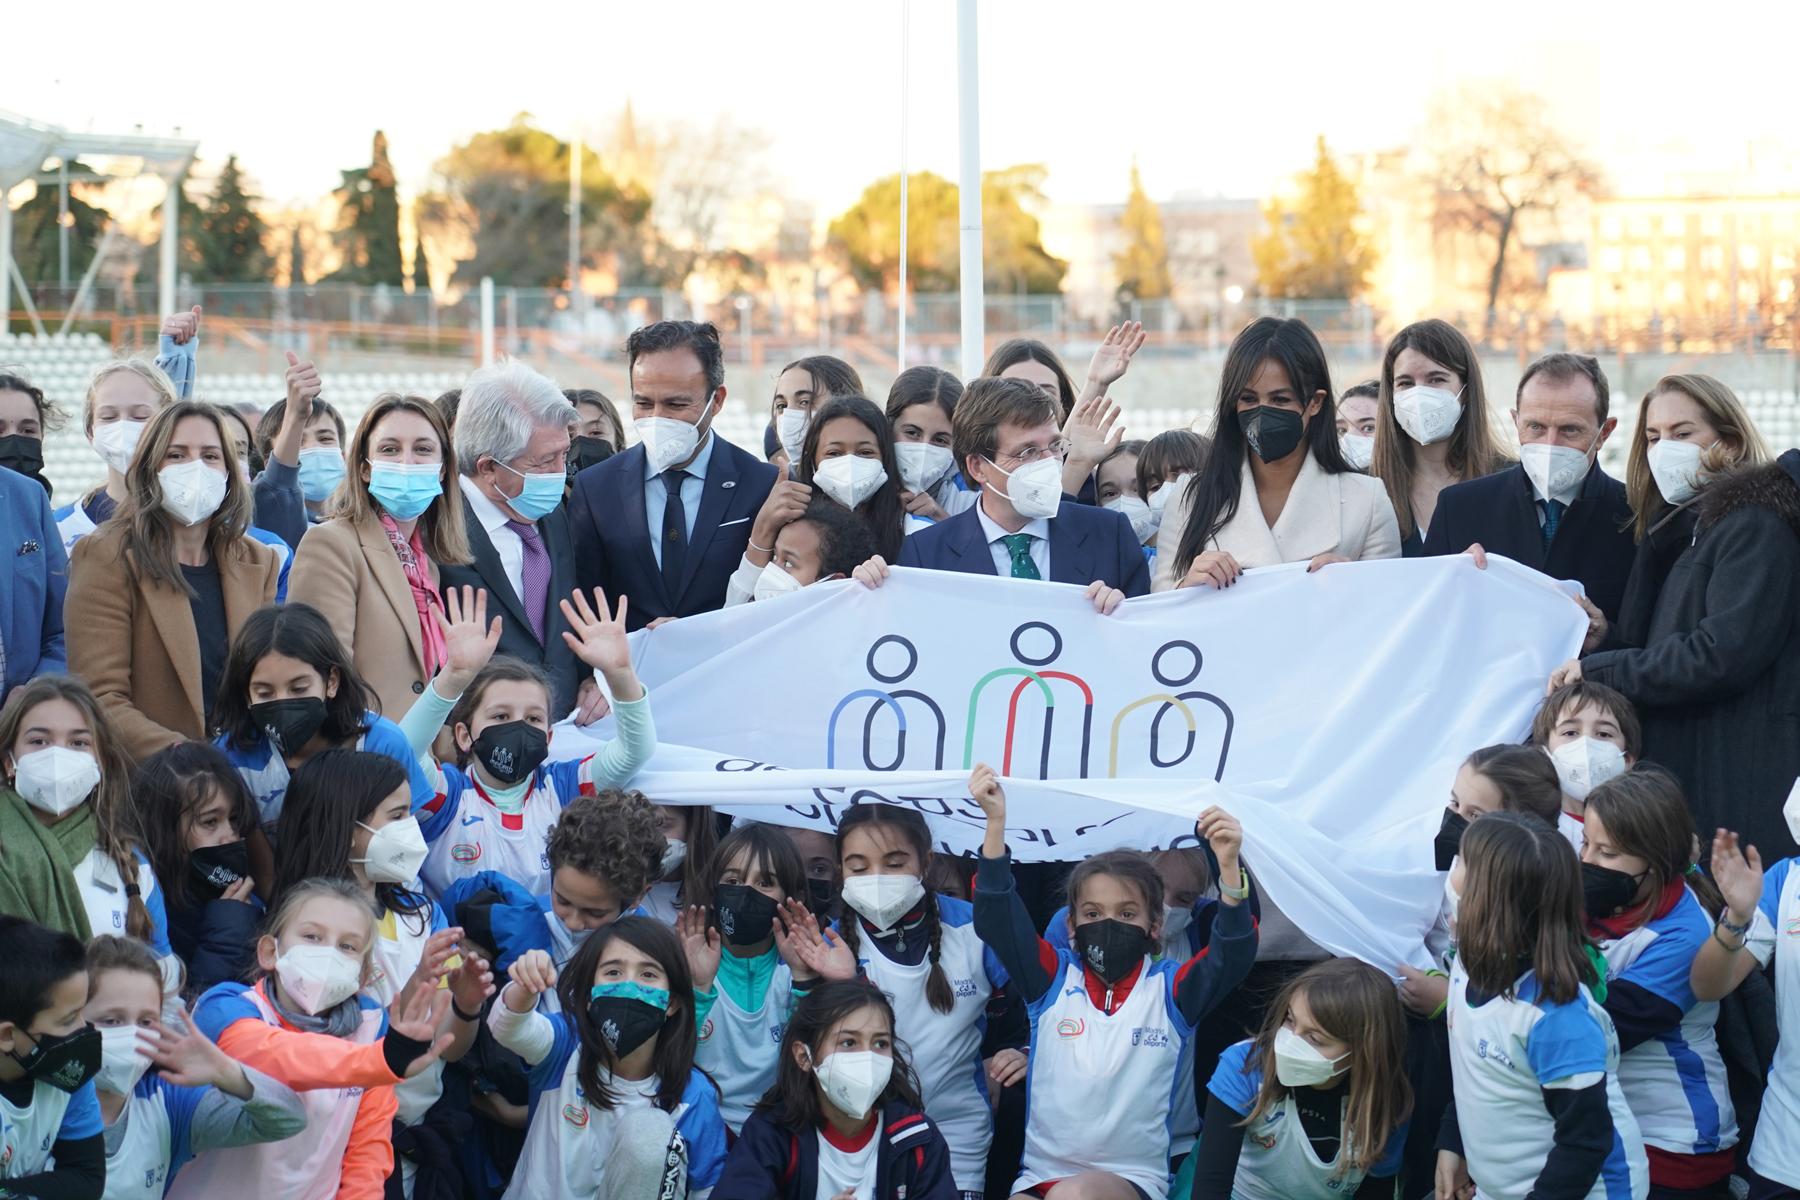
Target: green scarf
pixel 37 864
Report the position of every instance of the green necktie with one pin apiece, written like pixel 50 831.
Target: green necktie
pixel 1019 546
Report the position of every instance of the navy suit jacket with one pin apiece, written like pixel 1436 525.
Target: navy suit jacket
pixel 516 635
pixel 1592 544
pixel 34 575
pixel 612 535
pixel 1086 544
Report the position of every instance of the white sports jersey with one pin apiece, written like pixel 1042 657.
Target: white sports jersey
pixel 663 901
pixel 469 834
pixel 741 1050
pixel 1502 1054
pixel 849 1170
pixel 139 1168
pixel 1278 1161
pixel 1776 932
pixel 399 945
pixel 304 1167
pixel 26 1134
pixel 103 895
pixel 1572 829
pixel 946 1047
pixel 1675 1083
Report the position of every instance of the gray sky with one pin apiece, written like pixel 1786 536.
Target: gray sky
pixel 1209 96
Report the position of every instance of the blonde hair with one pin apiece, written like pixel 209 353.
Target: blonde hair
pixel 146 531
pixel 1739 443
pixel 144 369
pixel 288 907
pixel 115 830
pixel 440 526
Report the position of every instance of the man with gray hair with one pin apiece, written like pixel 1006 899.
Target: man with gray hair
pixel 512 443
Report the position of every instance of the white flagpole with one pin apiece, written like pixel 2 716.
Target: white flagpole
pixel 968 92
pixel 905 95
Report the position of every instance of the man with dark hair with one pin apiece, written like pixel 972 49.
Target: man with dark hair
pixel 1007 438
pixel 666 521
pixel 1556 511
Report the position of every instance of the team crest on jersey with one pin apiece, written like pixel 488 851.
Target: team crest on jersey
pixel 1487 1049
pixel 1263 1141
pixel 963 987
pixel 1144 1035
pixel 775 1032
pixel 465 852
pixel 1070 1027
pixel 576 1115
pixel 706 1029
pixel 1793 927
pixel 6 1153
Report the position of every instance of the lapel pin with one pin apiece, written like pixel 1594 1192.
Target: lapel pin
pixel 728 483
pixel 29 547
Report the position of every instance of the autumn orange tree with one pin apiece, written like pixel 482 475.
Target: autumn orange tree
pixel 1314 247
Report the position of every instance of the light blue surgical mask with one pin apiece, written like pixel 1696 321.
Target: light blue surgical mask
pixel 405 489
pixel 540 495
pixel 321 470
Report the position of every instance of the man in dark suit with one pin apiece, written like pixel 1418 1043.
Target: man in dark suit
pixel 512 442
pixel 665 523
pixel 1556 511
pixel 1007 437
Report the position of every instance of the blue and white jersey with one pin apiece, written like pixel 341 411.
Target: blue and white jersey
pixel 399 945
pixel 946 1047
pixel 1775 933
pixel 1278 1161
pixel 265 772
pixel 1675 1083
pixel 568 1141
pixel 1100 1088
pixel 26 1134
pixel 1503 1053
pixel 741 1049
pixel 103 895
pixel 469 833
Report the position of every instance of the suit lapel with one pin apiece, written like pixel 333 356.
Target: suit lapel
pixel 488 566
pixel 1247 537
pixel 1071 553
pixel 967 543
pixel 173 616
pixel 628 505
pixel 1311 521
pixel 1523 503
pixel 554 529
pixel 716 492
pixel 242 589
pixel 385 566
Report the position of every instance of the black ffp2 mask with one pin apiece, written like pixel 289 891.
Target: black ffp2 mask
pixel 66 1062
pixel 216 868
pixel 1111 949
pixel 1448 843
pixel 289 724
pixel 746 916
pixel 1273 433
pixel 512 750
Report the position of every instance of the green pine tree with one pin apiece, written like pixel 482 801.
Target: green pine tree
pixel 225 237
pixel 36 240
pixel 421 270
pixel 368 229
pixel 1142 267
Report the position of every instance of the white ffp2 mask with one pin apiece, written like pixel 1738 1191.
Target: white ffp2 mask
pixel 1585 763
pixel 883 899
pixel 1428 414
pixel 56 779
pixel 318 978
pixel 192 491
pixel 922 465
pixel 1035 489
pixel 849 478
pixel 854 1079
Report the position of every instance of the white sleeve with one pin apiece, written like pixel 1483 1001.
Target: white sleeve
pixel 530 1035
pixel 742 585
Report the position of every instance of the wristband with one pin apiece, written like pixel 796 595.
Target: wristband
pixel 1730 926
pixel 456 1009
pixel 1241 891
pixel 1729 948
pixel 759 549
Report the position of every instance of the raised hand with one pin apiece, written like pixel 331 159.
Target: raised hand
pixel 787 500
pixel 1421 993
pixel 1226 837
pixel 184 327
pixel 186 1057
pixel 810 950
pixel 434 961
pixel 1112 358
pixel 1597 625
pixel 303 387
pixel 469 637
pixel 472 982
pixel 532 974
pixel 985 790
pixel 1739 876
pixel 419 1014
pixel 1563 676
pixel 1093 429
pixel 700 942
pixel 598 639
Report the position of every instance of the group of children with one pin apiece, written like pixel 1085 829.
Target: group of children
pixel 331 949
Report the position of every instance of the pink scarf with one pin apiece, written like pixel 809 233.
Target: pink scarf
pixel 425 594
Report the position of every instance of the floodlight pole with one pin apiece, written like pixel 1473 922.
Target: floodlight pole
pixel 575 228
pixel 171 239
pixel 905 97
pixel 968 94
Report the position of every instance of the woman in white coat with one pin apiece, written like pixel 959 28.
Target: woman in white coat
pixel 1276 488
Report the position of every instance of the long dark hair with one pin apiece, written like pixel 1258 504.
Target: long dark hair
pixel 673 1061
pixel 327 796
pixel 1647 816
pixel 172 783
pixel 1213 496
pixel 1521 907
pixel 924 385
pixel 884 511
pixel 1017 350
pixel 301 632
pixel 793 1103
pixel 1525 778
pixel 771 850
pixel 910 826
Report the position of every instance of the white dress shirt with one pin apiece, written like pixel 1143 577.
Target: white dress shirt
pixel 1038 528
pixel 656 496
pixel 506 543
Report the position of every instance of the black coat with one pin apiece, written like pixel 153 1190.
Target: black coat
pixel 517 638
pixel 1717 681
pixel 1667 539
pixel 771 1162
pixel 1592 544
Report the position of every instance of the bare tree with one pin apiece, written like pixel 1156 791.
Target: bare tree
pixel 1495 156
pixel 696 175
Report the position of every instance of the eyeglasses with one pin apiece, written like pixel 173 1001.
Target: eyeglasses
pixel 1058 449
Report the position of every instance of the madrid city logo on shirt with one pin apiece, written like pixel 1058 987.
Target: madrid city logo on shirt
pixel 963 987
pixel 1071 1027
pixel 1145 1035
pixel 1201 734
pixel 1488 1050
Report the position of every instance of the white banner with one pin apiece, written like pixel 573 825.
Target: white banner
pixel 1328 712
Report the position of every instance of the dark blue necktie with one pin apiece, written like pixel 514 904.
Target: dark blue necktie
pixel 1553 511
pixel 674 534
